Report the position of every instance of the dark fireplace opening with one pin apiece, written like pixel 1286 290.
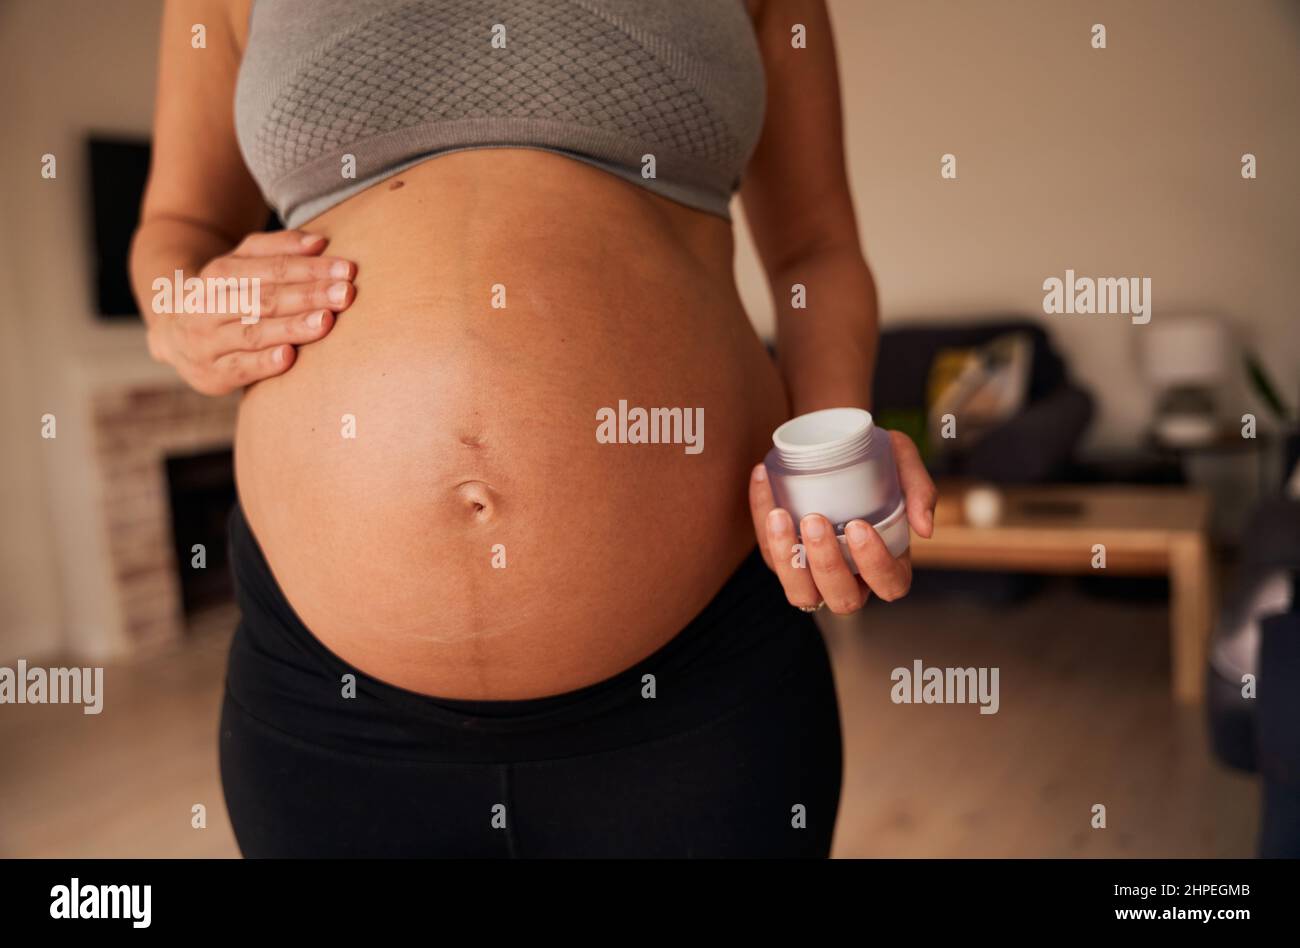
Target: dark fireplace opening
pixel 201 489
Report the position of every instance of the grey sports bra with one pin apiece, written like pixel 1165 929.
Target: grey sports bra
pixel 336 95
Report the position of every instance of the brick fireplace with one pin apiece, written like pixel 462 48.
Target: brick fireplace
pixel 136 428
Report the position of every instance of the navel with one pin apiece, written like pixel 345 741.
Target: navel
pixel 478 499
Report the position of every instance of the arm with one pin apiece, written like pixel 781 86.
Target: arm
pixel 199 204
pixel 199 201
pixel 796 199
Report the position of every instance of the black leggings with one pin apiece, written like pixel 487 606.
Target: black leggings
pixel 736 754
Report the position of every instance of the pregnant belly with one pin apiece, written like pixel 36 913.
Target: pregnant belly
pixel 447 486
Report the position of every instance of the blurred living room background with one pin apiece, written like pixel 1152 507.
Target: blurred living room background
pixel 992 146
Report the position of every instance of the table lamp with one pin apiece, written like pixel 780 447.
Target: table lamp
pixel 1186 359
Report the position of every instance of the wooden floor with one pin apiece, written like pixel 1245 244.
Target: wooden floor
pixel 1085 718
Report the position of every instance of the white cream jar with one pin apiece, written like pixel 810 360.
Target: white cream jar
pixel 837 463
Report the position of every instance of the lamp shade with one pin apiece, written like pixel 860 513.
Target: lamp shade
pixel 1185 350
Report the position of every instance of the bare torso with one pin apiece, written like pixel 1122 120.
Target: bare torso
pixel 475 429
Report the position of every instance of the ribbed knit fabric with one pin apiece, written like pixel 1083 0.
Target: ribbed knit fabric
pixel 393 82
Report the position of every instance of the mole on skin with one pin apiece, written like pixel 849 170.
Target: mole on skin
pixel 395 185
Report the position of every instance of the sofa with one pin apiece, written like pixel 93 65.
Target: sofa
pixel 1258 729
pixel 1035 445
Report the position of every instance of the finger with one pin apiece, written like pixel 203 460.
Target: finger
pixel 889 578
pixel 797 582
pixel 919 493
pixel 760 505
pixel 198 336
pixel 274 331
pixel 245 368
pixel 270 243
pixel 282 268
pixel 286 299
pixel 839 588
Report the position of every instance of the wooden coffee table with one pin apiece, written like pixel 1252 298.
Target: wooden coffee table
pixel 1053 529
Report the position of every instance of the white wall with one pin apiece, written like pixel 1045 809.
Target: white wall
pixel 71 67
pixel 1115 162
pixel 29 605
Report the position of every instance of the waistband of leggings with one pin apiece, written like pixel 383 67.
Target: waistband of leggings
pixel 742 642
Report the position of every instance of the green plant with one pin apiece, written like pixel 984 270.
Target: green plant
pixel 1263 386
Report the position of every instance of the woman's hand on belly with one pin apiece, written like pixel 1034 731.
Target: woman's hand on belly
pixel 294 294
pixel 826 578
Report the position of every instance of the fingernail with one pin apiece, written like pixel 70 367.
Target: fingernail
pixel 341 270
pixel 778 521
pixel 760 473
pixel 311 239
pixel 278 356
pixel 856 531
pixel 315 319
pixel 814 528
pixel 338 293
